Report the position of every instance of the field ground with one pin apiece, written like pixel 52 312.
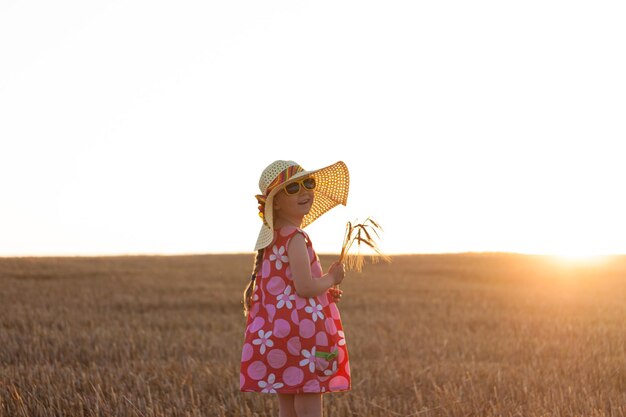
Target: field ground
pixel 428 335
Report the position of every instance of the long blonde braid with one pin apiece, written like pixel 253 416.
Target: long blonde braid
pixel 247 293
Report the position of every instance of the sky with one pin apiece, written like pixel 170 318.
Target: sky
pixel 142 127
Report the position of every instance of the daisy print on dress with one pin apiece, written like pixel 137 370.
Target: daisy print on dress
pixel 270 385
pixel 342 341
pixel 279 256
pixel 309 359
pixel 332 371
pixel 314 309
pixel 263 340
pixel 285 299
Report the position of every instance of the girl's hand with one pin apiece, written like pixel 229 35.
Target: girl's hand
pixel 338 271
pixel 336 293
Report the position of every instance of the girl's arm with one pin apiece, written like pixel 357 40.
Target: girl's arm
pixel 307 286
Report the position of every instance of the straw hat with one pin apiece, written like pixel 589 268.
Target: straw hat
pixel 331 190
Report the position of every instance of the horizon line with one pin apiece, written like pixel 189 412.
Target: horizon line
pixel 251 253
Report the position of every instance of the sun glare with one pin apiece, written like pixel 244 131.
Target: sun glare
pixel 581 258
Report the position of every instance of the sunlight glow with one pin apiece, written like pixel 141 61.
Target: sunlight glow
pixel 581 259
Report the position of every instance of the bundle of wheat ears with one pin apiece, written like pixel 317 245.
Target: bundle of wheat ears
pixel 366 233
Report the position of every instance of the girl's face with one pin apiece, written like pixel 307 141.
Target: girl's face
pixel 293 207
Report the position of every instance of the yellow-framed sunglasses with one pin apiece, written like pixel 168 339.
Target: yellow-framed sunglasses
pixel 294 187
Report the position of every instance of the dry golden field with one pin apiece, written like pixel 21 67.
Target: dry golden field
pixel 429 335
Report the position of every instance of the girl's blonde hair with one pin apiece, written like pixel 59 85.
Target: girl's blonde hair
pixel 247 293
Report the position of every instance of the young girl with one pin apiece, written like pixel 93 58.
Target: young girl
pixel 294 344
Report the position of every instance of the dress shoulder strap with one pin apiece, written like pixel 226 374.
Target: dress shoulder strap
pixel 286 233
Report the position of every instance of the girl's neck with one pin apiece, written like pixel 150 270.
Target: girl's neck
pixel 282 222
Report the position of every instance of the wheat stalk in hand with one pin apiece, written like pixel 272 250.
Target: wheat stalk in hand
pixel 366 233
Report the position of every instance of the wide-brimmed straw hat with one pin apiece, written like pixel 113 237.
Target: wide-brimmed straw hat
pixel 333 183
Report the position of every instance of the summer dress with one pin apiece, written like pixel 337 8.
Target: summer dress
pixel 292 344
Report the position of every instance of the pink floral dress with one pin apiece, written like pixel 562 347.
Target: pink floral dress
pixel 292 344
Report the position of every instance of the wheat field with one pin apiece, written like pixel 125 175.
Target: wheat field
pixel 428 335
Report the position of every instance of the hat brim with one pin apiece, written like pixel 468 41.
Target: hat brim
pixel 333 185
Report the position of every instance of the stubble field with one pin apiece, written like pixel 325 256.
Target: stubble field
pixel 428 335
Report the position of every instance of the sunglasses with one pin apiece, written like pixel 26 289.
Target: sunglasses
pixel 294 187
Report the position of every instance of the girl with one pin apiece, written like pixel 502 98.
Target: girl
pixel 294 344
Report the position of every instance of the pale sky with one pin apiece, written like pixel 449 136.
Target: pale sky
pixel 132 127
